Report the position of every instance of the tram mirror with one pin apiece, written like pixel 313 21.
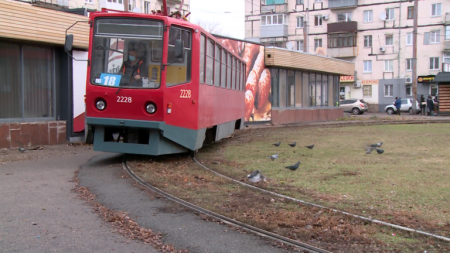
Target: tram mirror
pixel 69 42
pixel 179 49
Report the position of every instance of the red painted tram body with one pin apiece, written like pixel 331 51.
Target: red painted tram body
pixel 159 85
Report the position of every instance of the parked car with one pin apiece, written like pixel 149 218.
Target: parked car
pixel 354 105
pixel 405 107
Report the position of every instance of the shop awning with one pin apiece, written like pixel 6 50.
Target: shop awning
pixel 442 78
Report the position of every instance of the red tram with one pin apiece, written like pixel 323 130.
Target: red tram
pixel 159 85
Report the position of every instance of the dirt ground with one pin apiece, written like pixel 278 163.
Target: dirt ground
pixel 41 152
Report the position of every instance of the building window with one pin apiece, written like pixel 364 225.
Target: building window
pixel 147 8
pixel 409 64
pixel 409 90
pixel 300 22
pixel 300 46
pixel 410 12
pixel 368 41
pixel 367 91
pixel 344 17
pixel 434 63
pixel 29 95
pixel 388 65
pixel 317 43
pixel 389 40
pixel 341 40
pixel 367 66
pixel 446 58
pixel 273 19
pixel 319 1
pixel 435 10
pixel 299 1
pixel 409 39
pixel 388 90
pixel 390 14
pixel 434 37
pixel 447 32
pixel 89 1
pixel 318 20
pixel 368 16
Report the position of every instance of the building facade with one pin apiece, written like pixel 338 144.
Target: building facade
pixel 376 35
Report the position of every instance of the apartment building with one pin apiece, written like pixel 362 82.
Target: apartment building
pixel 374 34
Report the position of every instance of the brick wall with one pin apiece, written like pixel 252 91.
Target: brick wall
pixel 14 135
pixel 286 116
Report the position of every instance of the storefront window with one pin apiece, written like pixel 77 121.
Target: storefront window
pixel 324 90
pixel 298 89
pixel 275 88
pixel 27 95
pixel 312 90
pixel 291 89
pixel 282 88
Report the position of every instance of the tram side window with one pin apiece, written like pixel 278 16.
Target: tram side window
pixel 229 71
pixel 223 72
pixel 233 73
pixel 244 80
pixel 179 70
pixel 239 76
pixel 209 62
pixel 202 58
pixel 217 54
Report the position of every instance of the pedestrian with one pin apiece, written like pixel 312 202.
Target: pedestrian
pixel 398 104
pixel 436 105
pixel 423 104
pixel 430 106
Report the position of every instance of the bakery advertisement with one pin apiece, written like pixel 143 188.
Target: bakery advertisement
pixel 258 83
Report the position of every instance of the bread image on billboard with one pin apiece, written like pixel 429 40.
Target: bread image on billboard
pixel 258 79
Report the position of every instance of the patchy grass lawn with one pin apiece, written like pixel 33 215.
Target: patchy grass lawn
pixel 407 185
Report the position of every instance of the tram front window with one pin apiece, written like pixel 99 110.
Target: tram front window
pixel 127 53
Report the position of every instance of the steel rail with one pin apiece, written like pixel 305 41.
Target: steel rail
pixel 219 217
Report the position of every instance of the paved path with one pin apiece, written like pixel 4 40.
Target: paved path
pixel 39 192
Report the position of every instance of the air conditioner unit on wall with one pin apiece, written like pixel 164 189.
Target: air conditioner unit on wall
pixel 382 49
pixel 325 17
pixel 408 80
pixel 357 84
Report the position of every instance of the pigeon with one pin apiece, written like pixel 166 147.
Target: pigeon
pixel 22 150
pixel 293 167
pixel 273 157
pixel 377 144
pixel 277 144
pixel 255 177
pixel 379 151
pixel 369 149
pixel 310 146
pixel 293 144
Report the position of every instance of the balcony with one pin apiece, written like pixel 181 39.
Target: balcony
pixel 447 46
pixel 351 26
pixel 341 4
pixel 274 7
pixel 342 52
pixel 270 31
pixel 445 67
pixel 52 4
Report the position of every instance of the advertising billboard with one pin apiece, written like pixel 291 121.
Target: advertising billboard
pixel 258 105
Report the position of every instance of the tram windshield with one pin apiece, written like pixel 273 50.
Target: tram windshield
pixel 127 53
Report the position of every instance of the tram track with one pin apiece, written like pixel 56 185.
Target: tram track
pixel 216 216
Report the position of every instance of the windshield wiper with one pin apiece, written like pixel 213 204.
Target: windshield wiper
pixel 135 67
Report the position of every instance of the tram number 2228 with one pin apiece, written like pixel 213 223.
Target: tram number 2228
pixel 185 93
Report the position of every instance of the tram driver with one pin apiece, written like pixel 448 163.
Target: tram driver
pixel 134 69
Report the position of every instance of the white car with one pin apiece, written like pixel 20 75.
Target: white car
pixel 405 107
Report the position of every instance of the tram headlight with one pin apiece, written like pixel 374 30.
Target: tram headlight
pixel 150 108
pixel 101 105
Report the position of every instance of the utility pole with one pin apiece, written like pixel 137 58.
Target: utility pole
pixel 305 36
pixel 414 59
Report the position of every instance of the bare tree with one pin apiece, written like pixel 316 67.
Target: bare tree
pixel 211 27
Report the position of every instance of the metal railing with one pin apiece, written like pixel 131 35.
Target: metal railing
pixel 342 3
pixel 54 2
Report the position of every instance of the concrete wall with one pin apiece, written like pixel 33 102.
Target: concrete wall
pixel 14 135
pixel 286 116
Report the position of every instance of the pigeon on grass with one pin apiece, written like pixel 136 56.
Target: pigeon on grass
pixel 273 157
pixel 369 149
pixel 293 167
pixel 378 144
pixel 310 146
pixel 256 177
pixel 277 144
pixel 379 151
pixel 292 144
pixel 22 150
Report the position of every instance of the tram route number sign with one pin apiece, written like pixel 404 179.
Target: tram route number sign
pixel 110 79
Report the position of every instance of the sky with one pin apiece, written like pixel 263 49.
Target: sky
pixel 228 14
